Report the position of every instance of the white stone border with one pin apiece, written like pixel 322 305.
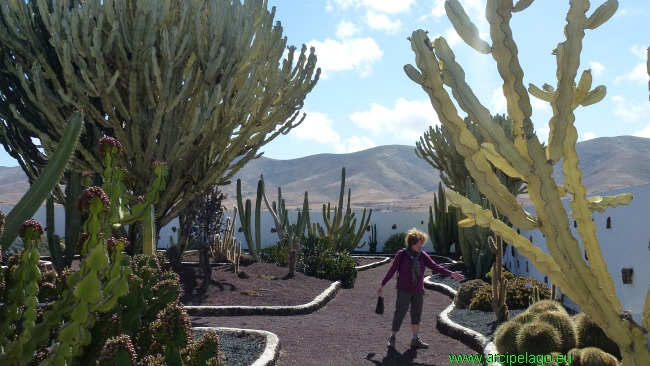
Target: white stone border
pixel 383 261
pixel 271 351
pixel 457 331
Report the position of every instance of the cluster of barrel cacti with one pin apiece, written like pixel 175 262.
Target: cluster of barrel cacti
pixel 443 223
pixel 546 328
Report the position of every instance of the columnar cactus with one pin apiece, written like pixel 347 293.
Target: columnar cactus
pixel 589 285
pixel 372 239
pixel 342 226
pixel 499 282
pixel 443 223
pixel 47 180
pixel 225 246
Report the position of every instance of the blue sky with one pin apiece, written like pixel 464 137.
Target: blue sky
pixel 364 99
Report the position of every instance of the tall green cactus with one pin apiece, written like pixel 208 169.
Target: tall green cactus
pixel 342 227
pixel 499 283
pixel 43 185
pixel 589 285
pixel 245 216
pixel 443 224
pixel 474 239
pixel 372 239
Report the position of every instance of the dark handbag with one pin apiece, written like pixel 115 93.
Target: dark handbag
pixel 380 305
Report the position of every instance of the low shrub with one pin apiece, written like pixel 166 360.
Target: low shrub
pixel 319 259
pixel 394 243
pixel 467 291
pixel 277 253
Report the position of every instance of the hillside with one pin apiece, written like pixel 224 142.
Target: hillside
pixel 392 176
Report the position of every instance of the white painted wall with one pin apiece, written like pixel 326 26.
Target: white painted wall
pixel 384 220
pixel 625 245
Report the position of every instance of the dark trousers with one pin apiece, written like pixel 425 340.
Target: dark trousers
pixel 405 299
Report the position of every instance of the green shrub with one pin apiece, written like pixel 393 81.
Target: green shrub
pixel 312 249
pixel 319 259
pixel 506 274
pixel 277 253
pixel 394 243
pixel 517 293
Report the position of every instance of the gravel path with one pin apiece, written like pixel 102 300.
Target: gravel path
pixel 348 332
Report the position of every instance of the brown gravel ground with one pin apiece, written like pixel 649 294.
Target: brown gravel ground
pixel 348 332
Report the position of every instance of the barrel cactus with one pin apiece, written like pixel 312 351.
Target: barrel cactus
pixel 538 338
pixel 592 356
pixel 544 306
pixel 505 337
pixel 561 321
pixel 591 335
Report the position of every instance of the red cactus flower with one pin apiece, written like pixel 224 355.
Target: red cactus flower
pixel 84 201
pixel 109 144
pixel 32 225
pixel 82 238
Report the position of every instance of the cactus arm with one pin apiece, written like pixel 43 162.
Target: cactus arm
pixel 568 60
pixel 43 185
pixel 117 274
pixel 140 211
pixel 245 218
pixel 53 241
pixel 602 14
pixel 504 52
pixel 586 226
pixel 521 5
pixel 467 145
pixel 149 229
pixel 258 225
pixel 464 26
pixel 544 95
pixel 543 261
pixel 645 315
pixel 600 204
pixel 278 213
pixel 499 161
pixel 72 216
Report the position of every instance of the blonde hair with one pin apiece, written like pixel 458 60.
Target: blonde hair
pixel 414 235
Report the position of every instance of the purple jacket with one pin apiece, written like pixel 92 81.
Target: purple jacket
pixel 404 275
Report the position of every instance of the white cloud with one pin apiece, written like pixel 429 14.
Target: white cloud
pixel 628 111
pixel 588 136
pixel 355 143
pixel 639 74
pixel 407 121
pixel 438 10
pixel 346 29
pixel 318 127
pixel 641 52
pixel 596 68
pixel 452 37
pixel 382 22
pixel 351 54
pixel 631 11
pixel 383 6
pixel 499 103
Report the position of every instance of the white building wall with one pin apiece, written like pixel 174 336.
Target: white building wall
pixel 625 245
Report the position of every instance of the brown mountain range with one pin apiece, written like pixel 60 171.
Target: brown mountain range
pixel 392 177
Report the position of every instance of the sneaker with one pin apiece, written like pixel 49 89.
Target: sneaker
pixel 417 343
pixel 391 341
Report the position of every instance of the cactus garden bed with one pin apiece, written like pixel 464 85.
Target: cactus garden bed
pixel 266 285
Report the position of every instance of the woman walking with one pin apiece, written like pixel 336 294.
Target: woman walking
pixel 409 264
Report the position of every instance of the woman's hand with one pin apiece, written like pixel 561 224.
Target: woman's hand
pixel 381 287
pixel 458 276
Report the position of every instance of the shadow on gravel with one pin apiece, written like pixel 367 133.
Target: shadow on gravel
pixel 394 358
